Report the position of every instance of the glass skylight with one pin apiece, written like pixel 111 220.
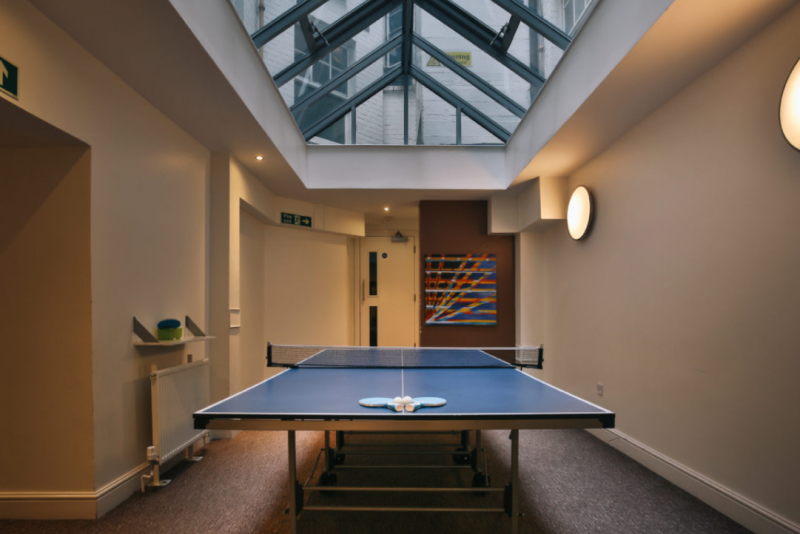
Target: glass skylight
pixel 415 72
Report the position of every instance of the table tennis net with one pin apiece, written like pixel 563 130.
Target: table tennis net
pixel 403 357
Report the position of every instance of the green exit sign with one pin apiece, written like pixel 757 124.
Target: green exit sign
pixel 9 77
pixel 297 220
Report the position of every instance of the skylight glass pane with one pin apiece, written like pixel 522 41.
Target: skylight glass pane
pixel 489 87
pixel 281 52
pixel 437 120
pixel 380 119
pixel 333 10
pixel 486 11
pixel 473 134
pixel 469 55
pixel 310 115
pixel 277 57
pixel 255 14
pixel 339 133
pixel 415 102
pixel 469 93
pixel 324 70
pixel 370 118
pixel 254 18
pixel 535 51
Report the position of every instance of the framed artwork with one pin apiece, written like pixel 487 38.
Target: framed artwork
pixel 461 289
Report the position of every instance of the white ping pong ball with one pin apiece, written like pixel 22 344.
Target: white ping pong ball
pixel 407 400
pixel 398 400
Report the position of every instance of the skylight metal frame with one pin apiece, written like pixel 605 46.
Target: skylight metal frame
pixel 493 43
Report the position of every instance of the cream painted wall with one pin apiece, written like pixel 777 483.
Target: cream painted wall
pixel 308 292
pixel 148 222
pixel 685 299
pixel 252 338
pixel 235 192
pixel 530 289
pixel 45 322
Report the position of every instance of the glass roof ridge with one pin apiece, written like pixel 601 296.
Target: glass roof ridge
pixel 487 59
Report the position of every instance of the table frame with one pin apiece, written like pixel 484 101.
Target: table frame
pixel 404 425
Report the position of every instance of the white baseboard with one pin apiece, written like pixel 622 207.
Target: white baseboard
pixel 48 505
pixel 737 507
pixel 115 492
pixel 70 504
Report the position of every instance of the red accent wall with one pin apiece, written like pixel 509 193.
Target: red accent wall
pixel 460 227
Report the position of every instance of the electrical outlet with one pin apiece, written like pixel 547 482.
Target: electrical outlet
pixel 600 389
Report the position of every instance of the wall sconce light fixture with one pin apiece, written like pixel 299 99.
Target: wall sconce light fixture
pixel 790 108
pixel 580 213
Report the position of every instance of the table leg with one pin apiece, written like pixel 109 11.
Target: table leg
pixel 514 481
pixel 328 465
pixel 478 451
pixel 292 483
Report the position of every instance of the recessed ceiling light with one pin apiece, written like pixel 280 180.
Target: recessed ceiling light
pixel 259 158
pixel 386 208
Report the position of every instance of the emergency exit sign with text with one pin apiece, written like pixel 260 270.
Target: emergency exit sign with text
pixel 297 220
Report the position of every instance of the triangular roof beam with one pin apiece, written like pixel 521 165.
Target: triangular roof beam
pixel 408 28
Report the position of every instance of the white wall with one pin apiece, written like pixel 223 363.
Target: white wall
pixel 308 297
pixel 237 353
pixel 684 300
pixel 149 183
pixel 45 322
pixel 251 364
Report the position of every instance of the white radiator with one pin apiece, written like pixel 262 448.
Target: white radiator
pixel 176 393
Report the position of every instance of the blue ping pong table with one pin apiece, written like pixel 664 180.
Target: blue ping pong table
pixel 322 393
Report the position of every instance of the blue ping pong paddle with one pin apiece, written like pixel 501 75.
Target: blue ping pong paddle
pixel 425 402
pixel 381 402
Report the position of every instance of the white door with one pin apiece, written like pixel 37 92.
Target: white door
pixel 387 292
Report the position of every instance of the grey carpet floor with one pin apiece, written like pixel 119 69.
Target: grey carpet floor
pixel 571 482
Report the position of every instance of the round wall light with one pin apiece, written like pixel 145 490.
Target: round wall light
pixel 580 213
pixel 790 108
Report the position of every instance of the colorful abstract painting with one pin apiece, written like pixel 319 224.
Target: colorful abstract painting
pixel 461 289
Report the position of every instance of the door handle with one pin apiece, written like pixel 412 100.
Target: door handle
pixel 363 291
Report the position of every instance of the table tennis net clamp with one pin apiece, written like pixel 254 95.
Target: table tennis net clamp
pixel 292 356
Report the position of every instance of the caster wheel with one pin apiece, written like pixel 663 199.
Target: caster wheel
pixel 480 480
pixel 328 479
pixel 462 458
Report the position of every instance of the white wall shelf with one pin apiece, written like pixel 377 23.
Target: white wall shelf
pixel 147 339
